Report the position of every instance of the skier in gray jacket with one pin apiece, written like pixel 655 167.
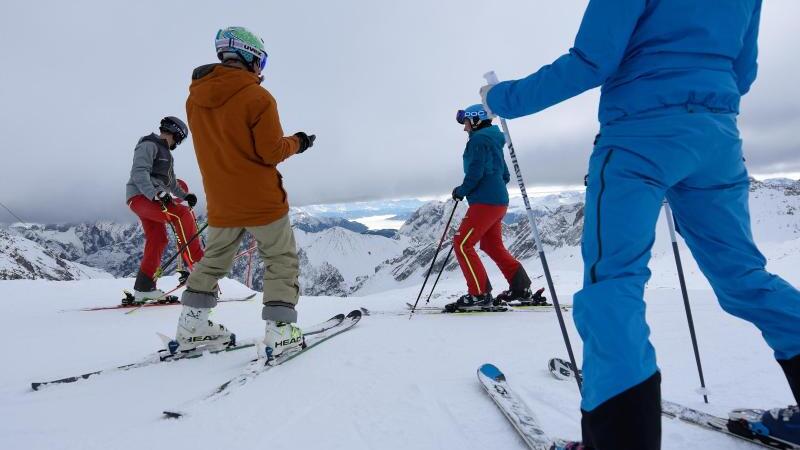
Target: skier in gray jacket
pixel 154 194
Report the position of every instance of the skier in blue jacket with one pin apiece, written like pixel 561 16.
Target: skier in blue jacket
pixel 672 73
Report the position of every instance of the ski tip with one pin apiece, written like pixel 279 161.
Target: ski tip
pixel 174 414
pixel 491 371
pixel 364 311
pixel 354 314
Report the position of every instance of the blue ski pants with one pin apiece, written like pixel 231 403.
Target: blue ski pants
pixel 693 158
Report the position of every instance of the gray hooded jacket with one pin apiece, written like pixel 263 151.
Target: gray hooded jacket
pixel 152 170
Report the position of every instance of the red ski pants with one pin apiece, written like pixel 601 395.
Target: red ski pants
pixel 483 223
pixel 154 218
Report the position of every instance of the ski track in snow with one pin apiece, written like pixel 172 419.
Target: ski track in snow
pixel 390 383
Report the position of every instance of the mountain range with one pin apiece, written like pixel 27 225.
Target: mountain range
pixel 340 257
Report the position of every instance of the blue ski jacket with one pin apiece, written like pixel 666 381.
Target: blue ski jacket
pixel 647 55
pixel 485 170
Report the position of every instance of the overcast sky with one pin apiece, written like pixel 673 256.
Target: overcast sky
pixel 378 82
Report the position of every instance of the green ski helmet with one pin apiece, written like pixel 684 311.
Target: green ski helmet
pixel 245 44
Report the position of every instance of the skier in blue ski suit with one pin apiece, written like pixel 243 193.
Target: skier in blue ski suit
pixel 672 73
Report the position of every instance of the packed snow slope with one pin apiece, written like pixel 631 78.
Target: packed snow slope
pixel 390 383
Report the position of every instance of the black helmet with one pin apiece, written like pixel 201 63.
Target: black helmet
pixel 176 127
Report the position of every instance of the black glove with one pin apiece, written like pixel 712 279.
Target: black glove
pixel 191 199
pixel 162 197
pixel 306 141
pixel 456 196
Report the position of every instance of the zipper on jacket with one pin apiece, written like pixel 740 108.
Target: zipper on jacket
pixel 593 271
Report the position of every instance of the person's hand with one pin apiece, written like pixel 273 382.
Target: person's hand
pixel 306 141
pixel 457 196
pixel 485 92
pixel 162 197
pixel 191 199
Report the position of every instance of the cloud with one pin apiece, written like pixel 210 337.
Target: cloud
pixel 378 82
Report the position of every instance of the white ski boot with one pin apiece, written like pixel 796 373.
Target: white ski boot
pixel 281 337
pixel 140 297
pixel 196 331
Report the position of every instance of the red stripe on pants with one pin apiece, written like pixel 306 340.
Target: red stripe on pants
pixel 484 224
pixel 154 220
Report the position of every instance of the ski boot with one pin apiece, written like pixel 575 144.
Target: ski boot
pixel 469 302
pixel 196 331
pixel 779 424
pixel 280 338
pixel 144 291
pixel 142 297
pixel 522 297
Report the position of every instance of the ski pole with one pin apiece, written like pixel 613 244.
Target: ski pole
pixel 491 78
pixel 438 248
pixel 436 281
pixel 183 247
pixel 684 292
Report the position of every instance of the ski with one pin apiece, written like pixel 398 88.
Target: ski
pixel 498 308
pixel 515 409
pixel 738 426
pixel 158 303
pixel 440 310
pixel 163 356
pixel 159 357
pixel 529 307
pixel 258 366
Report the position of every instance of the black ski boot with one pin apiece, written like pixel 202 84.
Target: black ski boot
pixel 522 298
pixel 519 291
pixel 469 302
pixel 630 420
pixel 791 367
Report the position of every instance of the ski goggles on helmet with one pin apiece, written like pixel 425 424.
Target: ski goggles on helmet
pixel 233 44
pixel 462 116
pixel 178 133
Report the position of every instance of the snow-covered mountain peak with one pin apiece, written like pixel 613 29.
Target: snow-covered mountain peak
pixel 21 258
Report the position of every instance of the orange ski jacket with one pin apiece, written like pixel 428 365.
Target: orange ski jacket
pixel 239 142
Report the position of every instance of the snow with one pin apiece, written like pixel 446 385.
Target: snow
pixel 381 222
pixel 390 383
